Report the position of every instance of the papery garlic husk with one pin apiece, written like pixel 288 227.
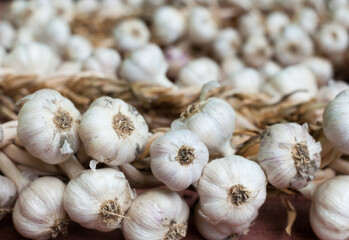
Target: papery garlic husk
pixel 331 90
pixel 38 212
pixel 321 68
pixel 340 15
pixel 168 24
pixel 78 48
pixel 275 23
pixel 32 58
pixel 231 190
pixel 213 120
pixel 256 51
pixel 7 34
pixel 48 126
pixel 198 72
pixel 177 158
pixel 269 69
pixel 202 27
pixel 289 155
pixel 251 24
pixel 98 199
pixel 176 58
pixel 231 65
pixel 105 60
pixel 332 39
pixel 130 35
pixel 157 214
pixel 147 64
pixel 291 79
pixel 86 6
pixel 8 193
pixel 247 80
pixel 226 43
pixel 329 209
pixel 113 132
pixel 335 124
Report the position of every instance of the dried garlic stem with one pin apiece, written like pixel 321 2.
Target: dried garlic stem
pixel 9 169
pixel 71 167
pixel 8 132
pixel 82 156
pixel 340 165
pixel 139 179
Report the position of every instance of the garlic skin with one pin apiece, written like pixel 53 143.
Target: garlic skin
pixel 226 44
pixel 275 24
pixel 198 72
pixel 256 51
pixel 48 126
pixel 98 199
pixel 247 80
pixel 231 65
pixel 168 24
pixel 202 27
pixel 231 190
pixel 213 120
pixel 332 39
pixel 7 34
pixel 177 158
pixel 251 24
pixel 269 69
pixel 105 60
pixel 38 212
pixel 78 48
pixel 308 19
pixel 290 79
pixel 112 131
pixel 32 58
pixel 327 93
pixel 147 64
pixel 321 68
pixel 8 193
pixel 130 35
pixel 335 124
pixel 157 214
pixel 289 155
pixel 329 211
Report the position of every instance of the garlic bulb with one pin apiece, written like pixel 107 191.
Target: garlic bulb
pixel 241 5
pixel 177 158
pixel 130 35
pixel 202 27
pixel 289 155
pixel 335 4
pixel 247 80
pixel 105 60
pixel 7 34
pixel 78 48
pixel 113 132
pixel 168 24
pixel 98 199
pixel 332 39
pixel 176 58
pixel 269 69
pixel 291 6
pixel 69 68
pixel 329 211
pixel 321 68
pixel 146 64
pixel 36 15
pixel 328 92
pixel 291 79
pixel 231 190
pixel 334 121
pixel 39 212
pixel 32 58
pixel 48 126
pixel 256 51
pixel 308 19
pixel 251 24
pixel 226 43
pixel 275 24
pixel 8 193
pixel 64 9
pixel 340 15
pixel 231 65
pixel 24 35
pixel 157 214
pixel 213 120
pixel 198 72
pixel 15 12
pixel 86 6
pixel 8 132
pixel 264 5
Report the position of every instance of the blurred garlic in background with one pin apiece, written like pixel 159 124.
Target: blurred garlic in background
pixel 231 65
pixel 252 23
pixel 7 34
pixel 246 80
pixel 321 68
pixel 256 51
pixel 269 69
pixel 226 43
pixel 176 58
pixel 105 60
pixel 328 92
pixel 275 23
pixel 308 19
pixel 78 48
pixel 86 6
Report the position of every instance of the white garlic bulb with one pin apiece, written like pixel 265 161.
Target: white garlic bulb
pixel 198 72
pixel 15 12
pixel 269 69
pixel 8 193
pixel 7 34
pixel 335 4
pixel 130 35
pixel 275 24
pixel 289 155
pixel 38 212
pixel 98 199
pixel 78 48
pixel 147 64
pixel 340 15
pixel 329 211
pixel 308 19
pixel 226 43
pixel 86 6
pixel 113 132
pixel 202 27
pixel 157 214
pixel 64 9
pixel 332 39
pixel 168 24
pixel 231 65
pixel 291 79
pixel 105 60
pixel 176 58
pixel 328 92
pixel 294 31
pixel 321 68
pixel 231 190
pixel 256 51
pixel 213 120
pixel 247 80
pixel 36 15
pixel 335 125
pixel 177 158
pixel 69 68
pixel 251 24
pixel 48 126
pixel 32 58
pixel 24 35
pixel 2 55
pixel 241 5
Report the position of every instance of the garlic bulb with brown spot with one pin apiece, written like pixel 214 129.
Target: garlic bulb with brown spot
pixel 256 51
pixel 7 34
pixel 289 155
pixel 321 67
pixel 157 214
pixel 275 23
pixel 332 39
pixel 105 60
pixel 112 131
pixel 226 43
pixel 247 80
pixel 48 126
pixel 78 48
pixel 8 193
